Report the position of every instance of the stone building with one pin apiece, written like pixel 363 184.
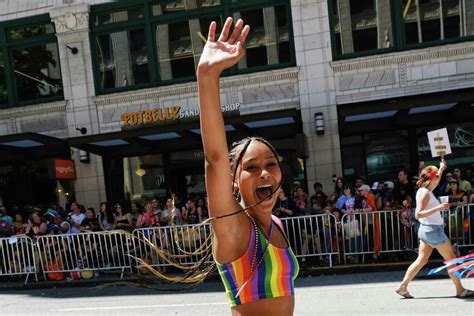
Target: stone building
pixel 345 88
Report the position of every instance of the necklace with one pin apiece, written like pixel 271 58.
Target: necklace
pixel 254 268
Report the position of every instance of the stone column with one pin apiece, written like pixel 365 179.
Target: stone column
pixel 384 23
pixel 345 22
pixel 469 17
pixel 72 30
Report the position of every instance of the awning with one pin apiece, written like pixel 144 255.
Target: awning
pixel 186 135
pixel 32 146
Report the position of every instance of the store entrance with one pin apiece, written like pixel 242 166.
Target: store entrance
pixel 187 181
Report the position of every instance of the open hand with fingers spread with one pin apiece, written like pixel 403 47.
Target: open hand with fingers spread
pixel 224 52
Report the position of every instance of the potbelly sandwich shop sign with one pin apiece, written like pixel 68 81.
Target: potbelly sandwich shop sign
pixel 161 115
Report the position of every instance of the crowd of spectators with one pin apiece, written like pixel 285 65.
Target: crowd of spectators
pixel 75 218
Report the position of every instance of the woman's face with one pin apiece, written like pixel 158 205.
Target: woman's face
pixel 36 218
pixel 347 191
pixel 258 175
pixel 339 183
pixel 453 186
pixel 281 194
pixel 102 207
pixel 149 207
pixel 90 214
pixel 74 207
pixel 118 210
pixel 18 218
pixel 169 204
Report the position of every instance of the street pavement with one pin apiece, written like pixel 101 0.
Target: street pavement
pixel 347 294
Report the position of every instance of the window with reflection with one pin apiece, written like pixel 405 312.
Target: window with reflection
pixel 37 72
pixel 151 43
pixel 3 86
pixel 30 66
pixel 432 20
pixel 268 42
pixel 176 6
pixel 118 16
pixel 122 59
pixel 144 177
pixel 361 25
pixel 179 46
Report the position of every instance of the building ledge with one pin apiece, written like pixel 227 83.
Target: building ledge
pixel 465 48
pixel 191 87
pixel 32 110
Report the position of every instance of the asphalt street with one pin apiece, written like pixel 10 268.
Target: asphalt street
pixel 349 294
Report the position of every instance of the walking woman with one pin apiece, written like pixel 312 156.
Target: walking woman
pixel 251 251
pixel 431 231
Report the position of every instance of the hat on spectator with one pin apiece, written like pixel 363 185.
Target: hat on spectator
pixel 364 187
pixel 375 185
pixel 51 213
pixel 453 180
pixel 389 184
pixel 449 174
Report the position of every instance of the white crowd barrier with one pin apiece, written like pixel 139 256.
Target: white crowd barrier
pixel 18 256
pixel 91 251
pixel 323 236
pixel 315 235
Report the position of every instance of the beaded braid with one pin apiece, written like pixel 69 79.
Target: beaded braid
pixel 195 272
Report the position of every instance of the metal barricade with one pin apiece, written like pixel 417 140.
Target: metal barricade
pixel 17 257
pixel 89 251
pixel 182 241
pixel 378 232
pixel 314 235
pixel 459 225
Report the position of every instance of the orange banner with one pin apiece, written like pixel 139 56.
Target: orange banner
pixel 65 169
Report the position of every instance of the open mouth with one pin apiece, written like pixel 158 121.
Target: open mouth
pixel 264 191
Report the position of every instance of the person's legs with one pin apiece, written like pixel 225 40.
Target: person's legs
pixel 424 253
pixel 446 251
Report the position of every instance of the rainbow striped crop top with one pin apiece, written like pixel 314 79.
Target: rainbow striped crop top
pixel 274 277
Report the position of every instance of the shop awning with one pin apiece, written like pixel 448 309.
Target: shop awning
pixel 186 135
pixel 32 146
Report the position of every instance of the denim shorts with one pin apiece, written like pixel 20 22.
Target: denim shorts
pixel 432 235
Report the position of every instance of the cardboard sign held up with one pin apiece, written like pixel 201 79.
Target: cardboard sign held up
pixel 439 142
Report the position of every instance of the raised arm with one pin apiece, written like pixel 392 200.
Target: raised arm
pixel 217 56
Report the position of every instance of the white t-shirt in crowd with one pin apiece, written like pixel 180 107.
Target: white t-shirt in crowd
pixel 435 218
pixel 78 220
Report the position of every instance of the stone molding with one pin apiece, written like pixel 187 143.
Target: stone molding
pixel 396 58
pixel 33 110
pixel 71 18
pixel 189 88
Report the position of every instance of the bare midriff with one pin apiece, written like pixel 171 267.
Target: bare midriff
pixel 279 306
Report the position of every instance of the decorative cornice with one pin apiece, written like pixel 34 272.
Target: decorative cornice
pixel 404 57
pixel 33 110
pixel 191 87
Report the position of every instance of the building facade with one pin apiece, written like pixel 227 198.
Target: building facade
pixel 345 88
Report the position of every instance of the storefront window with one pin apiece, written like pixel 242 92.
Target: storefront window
pixel 37 72
pixel 122 59
pixel 144 177
pixel 176 6
pixel 179 46
pixel 268 43
pixel 461 137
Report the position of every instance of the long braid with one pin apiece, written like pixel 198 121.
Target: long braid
pixel 198 272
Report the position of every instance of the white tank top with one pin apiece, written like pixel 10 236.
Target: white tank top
pixel 435 218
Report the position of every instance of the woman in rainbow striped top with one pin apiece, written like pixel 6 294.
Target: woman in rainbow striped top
pixel 251 251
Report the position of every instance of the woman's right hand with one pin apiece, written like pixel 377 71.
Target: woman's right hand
pixel 444 206
pixel 224 52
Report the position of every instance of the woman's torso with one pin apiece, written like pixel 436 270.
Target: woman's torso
pixel 272 278
pixel 434 219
